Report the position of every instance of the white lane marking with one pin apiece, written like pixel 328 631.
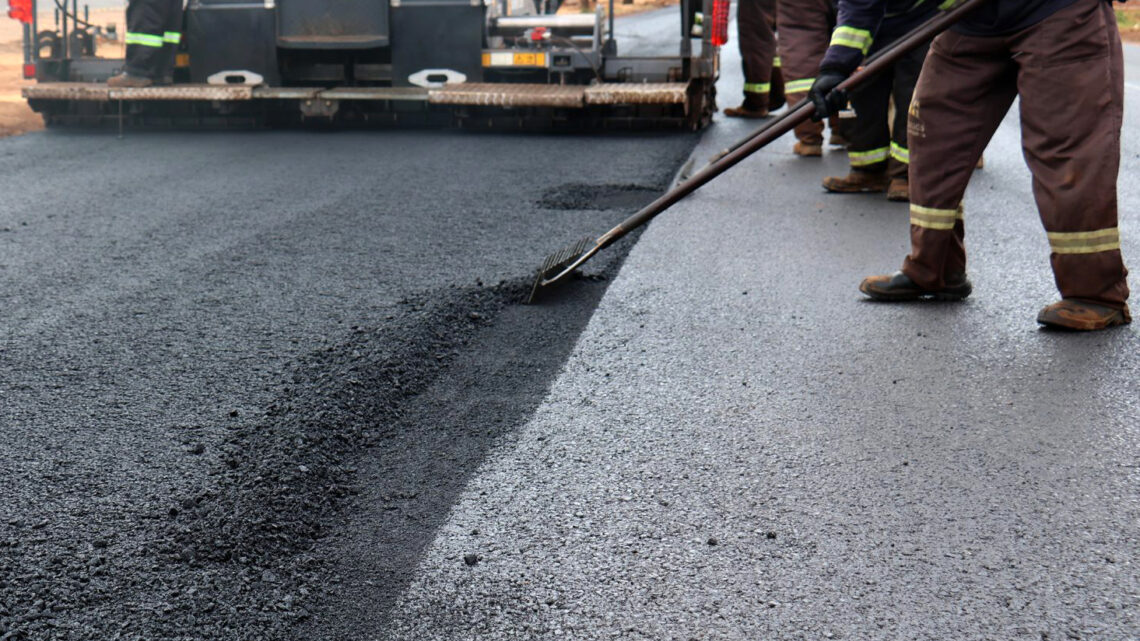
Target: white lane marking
pixel 1132 85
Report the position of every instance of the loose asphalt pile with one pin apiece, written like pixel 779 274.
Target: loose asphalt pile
pixel 219 348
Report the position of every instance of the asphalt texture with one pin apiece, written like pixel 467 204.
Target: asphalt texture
pixel 214 343
pixel 741 447
pixel 276 386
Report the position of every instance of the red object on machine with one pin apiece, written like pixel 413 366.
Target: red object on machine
pixel 719 35
pixel 20 10
pixel 29 70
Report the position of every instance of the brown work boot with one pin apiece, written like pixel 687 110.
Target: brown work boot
pixel 899 190
pixel 836 139
pixel 744 112
pixel 808 149
pixel 1078 315
pixel 126 80
pixel 898 287
pixel 857 182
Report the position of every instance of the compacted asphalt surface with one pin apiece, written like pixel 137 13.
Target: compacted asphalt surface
pixel 277 385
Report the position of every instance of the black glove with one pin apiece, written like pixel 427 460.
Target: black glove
pixel 827 101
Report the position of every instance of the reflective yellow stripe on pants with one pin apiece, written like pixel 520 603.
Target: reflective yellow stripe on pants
pixel 1084 242
pixel 799 86
pixel 144 39
pixel 900 153
pixel 869 157
pixel 934 218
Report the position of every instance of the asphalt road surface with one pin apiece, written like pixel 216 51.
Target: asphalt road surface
pixel 741 447
pixel 276 386
pixel 214 342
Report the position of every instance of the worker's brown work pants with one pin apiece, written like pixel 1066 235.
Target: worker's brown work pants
pixel 755 20
pixel 804 31
pixel 1069 71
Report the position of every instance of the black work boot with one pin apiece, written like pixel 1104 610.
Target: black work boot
pixel 898 287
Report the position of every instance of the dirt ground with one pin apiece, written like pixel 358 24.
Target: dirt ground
pixel 621 7
pixel 1129 21
pixel 15 115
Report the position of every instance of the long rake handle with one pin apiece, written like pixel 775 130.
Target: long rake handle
pixel 785 123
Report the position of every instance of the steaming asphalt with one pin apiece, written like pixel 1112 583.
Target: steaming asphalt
pixel 732 445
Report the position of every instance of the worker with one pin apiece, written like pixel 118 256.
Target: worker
pixel 877 151
pixel 154 29
pixel 1064 59
pixel 803 29
pixel 763 82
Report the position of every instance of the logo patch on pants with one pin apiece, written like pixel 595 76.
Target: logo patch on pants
pixel 914 126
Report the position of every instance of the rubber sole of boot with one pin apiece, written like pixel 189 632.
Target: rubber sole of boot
pixel 949 295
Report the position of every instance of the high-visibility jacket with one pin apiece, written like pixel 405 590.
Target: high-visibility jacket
pixel 860 22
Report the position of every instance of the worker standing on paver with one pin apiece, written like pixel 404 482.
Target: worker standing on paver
pixel 804 31
pixel 763 81
pixel 154 29
pixel 877 150
pixel 1064 58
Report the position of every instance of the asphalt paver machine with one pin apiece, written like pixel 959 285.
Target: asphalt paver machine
pixel 466 62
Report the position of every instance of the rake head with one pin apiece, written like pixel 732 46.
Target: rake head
pixel 556 264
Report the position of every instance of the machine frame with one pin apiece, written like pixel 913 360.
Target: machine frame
pixel 515 67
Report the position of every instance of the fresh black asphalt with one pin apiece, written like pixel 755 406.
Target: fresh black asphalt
pixel 212 342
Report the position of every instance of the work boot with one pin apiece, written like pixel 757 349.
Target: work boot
pixel 126 80
pixel 1082 316
pixel 744 112
pixel 776 98
pixel 857 182
pixel 807 149
pixel 898 287
pixel 899 190
pixel 836 139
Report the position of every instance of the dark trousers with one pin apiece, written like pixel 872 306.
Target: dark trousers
pixel 1069 71
pixel 873 145
pixel 755 23
pixel 154 29
pixel 804 32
